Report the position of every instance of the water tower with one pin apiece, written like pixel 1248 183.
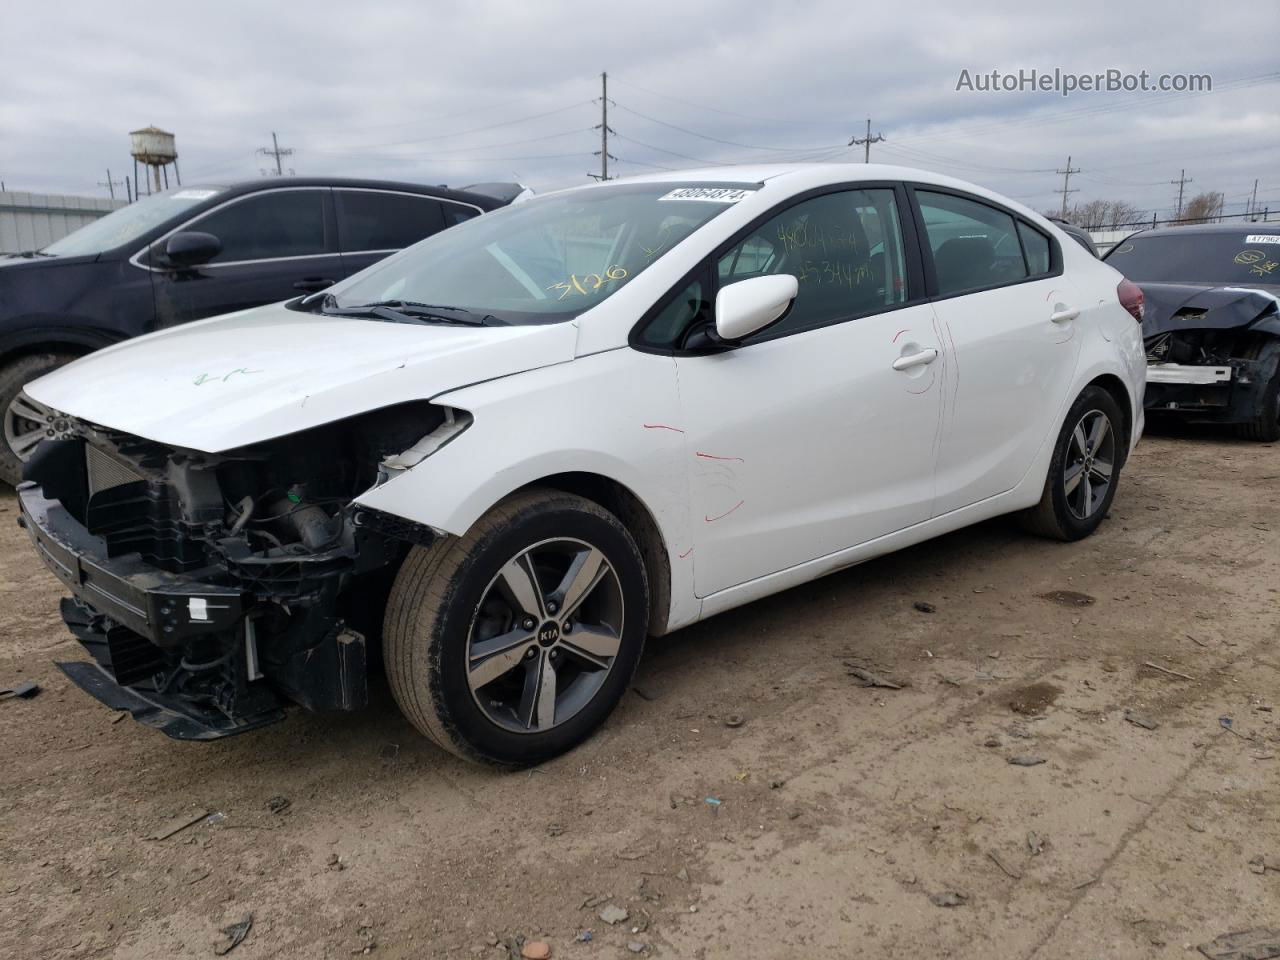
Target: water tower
pixel 154 148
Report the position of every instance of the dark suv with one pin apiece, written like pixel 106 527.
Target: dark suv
pixel 196 252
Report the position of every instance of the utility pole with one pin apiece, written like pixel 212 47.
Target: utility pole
pixel 1182 182
pixel 866 142
pixel 605 130
pixel 275 150
pixel 110 184
pixel 1066 179
pixel 1253 200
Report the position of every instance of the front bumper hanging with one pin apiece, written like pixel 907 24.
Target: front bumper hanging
pixel 180 653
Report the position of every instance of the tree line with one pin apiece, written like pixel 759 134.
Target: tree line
pixel 1110 214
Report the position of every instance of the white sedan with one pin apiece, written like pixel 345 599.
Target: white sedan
pixel 522 446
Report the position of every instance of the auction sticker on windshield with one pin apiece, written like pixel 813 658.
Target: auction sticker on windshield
pixel 708 194
pixel 1262 238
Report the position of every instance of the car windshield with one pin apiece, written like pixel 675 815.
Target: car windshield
pixel 1217 258
pixel 544 260
pixel 128 223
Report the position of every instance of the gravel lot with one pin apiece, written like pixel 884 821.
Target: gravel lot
pixel 844 812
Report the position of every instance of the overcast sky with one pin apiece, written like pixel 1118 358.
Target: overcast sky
pixel 498 90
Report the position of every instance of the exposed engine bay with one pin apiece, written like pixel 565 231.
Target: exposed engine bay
pixel 212 588
pixel 1212 352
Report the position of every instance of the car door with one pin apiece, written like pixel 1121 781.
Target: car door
pixel 1008 315
pixel 276 244
pixel 375 223
pixel 819 433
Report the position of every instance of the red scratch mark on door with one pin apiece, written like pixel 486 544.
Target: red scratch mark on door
pixel 898 334
pixel 662 426
pixel 726 513
pixel 712 456
pixel 686 553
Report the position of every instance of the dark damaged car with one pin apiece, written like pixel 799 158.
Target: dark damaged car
pixel 1211 322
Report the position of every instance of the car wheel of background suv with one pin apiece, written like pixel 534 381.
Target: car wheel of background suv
pixel 1084 470
pixel 1266 428
pixel 25 423
pixel 512 643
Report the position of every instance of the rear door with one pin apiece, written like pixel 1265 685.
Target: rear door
pixel 276 244
pixel 1007 314
pixel 375 223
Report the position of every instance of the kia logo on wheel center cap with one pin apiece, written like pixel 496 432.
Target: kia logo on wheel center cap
pixel 549 633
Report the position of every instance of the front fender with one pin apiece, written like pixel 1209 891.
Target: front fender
pixel 614 414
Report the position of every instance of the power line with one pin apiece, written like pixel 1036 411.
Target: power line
pixel 703 106
pixel 1066 179
pixel 1182 182
pixel 866 142
pixel 275 150
pixel 605 130
pixel 491 126
pixel 731 143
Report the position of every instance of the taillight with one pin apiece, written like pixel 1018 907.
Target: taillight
pixel 1130 295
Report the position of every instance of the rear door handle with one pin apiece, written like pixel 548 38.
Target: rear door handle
pixel 915 359
pixel 312 284
pixel 1062 313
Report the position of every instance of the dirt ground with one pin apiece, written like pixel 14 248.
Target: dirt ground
pixel 826 824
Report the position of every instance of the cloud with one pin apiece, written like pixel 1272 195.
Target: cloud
pixel 453 93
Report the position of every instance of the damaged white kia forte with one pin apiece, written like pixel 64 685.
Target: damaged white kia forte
pixel 512 452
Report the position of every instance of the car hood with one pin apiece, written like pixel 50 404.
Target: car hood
pixel 246 377
pixel 1187 306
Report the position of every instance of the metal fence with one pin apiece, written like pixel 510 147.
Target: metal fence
pixel 1257 216
pixel 29 221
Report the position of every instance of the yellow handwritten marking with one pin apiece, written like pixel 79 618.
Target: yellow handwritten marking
pixel 1264 269
pixel 1247 257
pixel 593 280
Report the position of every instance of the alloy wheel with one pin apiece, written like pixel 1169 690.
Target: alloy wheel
pixel 1090 464
pixel 26 423
pixel 545 636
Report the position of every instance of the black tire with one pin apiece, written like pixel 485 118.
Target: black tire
pixel 1266 428
pixel 1055 516
pixel 13 377
pixel 436 602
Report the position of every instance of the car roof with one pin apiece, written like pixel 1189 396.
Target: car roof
pixel 760 173
pixel 1193 229
pixel 269 183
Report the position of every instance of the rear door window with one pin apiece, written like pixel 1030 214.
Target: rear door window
pixel 1036 246
pixel 375 220
pixel 973 245
pixel 271 225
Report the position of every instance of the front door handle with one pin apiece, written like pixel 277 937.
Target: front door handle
pixel 915 359
pixel 1062 313
pixel 312 284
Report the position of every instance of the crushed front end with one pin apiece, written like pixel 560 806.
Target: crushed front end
pixel 213 589
pixel 1210 376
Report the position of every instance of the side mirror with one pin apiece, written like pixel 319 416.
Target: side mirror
pixel 748 306
pixel 190 249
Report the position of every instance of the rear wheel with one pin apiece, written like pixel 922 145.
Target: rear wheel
pixel 1266 427
pixel 1083 471
pixel 26 422
pixel 511 644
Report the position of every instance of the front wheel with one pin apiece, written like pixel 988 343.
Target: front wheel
pixel 1265 427
pixel 511 644
pixel 1084 470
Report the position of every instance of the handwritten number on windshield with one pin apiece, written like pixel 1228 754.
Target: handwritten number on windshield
pixel 588 283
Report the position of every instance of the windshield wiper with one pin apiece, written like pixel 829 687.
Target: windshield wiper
pixel 409 311
pixel 30 254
